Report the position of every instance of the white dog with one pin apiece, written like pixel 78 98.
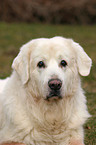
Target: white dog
pixel 42 103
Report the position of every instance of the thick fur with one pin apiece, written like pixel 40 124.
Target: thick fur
pixel 25 114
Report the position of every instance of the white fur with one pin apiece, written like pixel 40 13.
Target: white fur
pixel 25 115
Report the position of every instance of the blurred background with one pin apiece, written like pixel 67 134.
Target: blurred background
pixel 49 11
pixel 23 20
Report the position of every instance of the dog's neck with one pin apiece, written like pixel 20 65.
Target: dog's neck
pixel 50 114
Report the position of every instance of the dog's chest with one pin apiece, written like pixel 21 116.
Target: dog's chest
pixel 47 134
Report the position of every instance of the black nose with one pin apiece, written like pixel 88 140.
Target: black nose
pixel 55 84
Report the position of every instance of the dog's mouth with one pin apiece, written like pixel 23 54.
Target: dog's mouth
pixel 54 95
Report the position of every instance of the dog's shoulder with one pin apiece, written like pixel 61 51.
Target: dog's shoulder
pixel 3 82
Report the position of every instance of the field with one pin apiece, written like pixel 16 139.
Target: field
pixel 12 36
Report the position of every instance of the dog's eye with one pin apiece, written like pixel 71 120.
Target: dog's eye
pixel 41 64
pixel 63 63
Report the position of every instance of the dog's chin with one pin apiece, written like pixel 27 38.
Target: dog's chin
pixel 53 96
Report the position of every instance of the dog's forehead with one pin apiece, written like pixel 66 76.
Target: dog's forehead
pixel 52 47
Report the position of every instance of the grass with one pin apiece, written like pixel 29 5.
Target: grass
pixel 12 36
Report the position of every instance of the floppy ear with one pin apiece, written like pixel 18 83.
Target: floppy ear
pixel 21 64
pixel 84 62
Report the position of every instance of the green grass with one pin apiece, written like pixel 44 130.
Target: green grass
pixel 12 36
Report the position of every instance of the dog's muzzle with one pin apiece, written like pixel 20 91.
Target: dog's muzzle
pixel 54 89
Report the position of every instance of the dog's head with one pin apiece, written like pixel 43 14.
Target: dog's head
pixel 50 68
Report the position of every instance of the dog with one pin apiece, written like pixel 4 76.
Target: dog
pixel 42 102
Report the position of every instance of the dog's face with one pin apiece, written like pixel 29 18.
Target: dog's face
pixel 50 67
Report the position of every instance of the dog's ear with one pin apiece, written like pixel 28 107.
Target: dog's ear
pixel 84 62
pixel 21 64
